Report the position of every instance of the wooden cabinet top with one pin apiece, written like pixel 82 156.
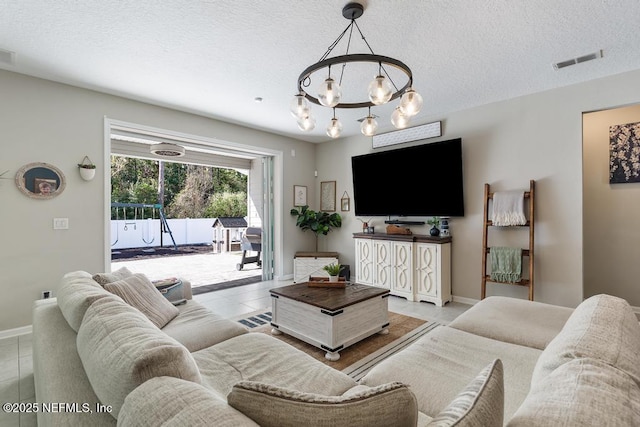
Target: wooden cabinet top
pixel 424 238
pixel 316 255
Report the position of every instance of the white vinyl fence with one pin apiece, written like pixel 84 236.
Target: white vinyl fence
pixel 146 232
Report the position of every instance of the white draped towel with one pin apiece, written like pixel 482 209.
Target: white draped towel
pixel 508 208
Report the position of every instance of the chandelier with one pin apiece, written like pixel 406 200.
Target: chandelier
pixel 381 90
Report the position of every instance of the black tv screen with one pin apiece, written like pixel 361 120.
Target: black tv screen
pixel 424 180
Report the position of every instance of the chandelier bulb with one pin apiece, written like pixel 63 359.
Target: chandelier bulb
pixel 369 126
pixel 329 93
pixel 410 103
pixel 298 104
pixel 335 128
pixel 380 90
pixel 306 122
pixel 398 119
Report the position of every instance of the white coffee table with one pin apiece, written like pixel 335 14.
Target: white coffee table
pixel 330 318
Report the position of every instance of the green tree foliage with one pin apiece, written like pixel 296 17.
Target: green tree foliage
pixel 227 204
pixel 190 191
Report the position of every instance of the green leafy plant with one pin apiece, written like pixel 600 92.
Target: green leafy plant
pixel 86 166
pixel 320 223
pixel 434 221
pixel 332 269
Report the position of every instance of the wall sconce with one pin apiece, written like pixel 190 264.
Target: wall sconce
pixel 87 169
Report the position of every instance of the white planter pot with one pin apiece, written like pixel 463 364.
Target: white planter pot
pixel 87 174
pixel 333 278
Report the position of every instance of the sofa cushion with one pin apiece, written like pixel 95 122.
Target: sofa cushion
pixel 522 322
pixel 121 349
pixel 481 403
pixel 447 359
pixel 140 293
pixel 196 327
pixel 77 292
pixel 114 276
pixel 602 327
pixel 57 370
pixel 256 356
pixel 581 392
pixel 172 402
pixel 271 406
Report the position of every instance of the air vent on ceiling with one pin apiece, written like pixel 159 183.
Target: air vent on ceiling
pixel 7 57
pixel 578 60
pixel 165 149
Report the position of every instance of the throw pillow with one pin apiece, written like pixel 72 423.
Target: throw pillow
pixel 388 405
pixel 77 293
pixel 104 278
pixel 602 327
pixel 140 293
pixel 481 403
pixel 581 392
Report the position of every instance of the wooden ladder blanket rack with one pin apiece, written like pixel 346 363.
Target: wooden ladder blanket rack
pixel 526 253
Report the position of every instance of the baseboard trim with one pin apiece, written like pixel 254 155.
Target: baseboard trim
pixel 464 300
pixel 636 310
pixel 10 333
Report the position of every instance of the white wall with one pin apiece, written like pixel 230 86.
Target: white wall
pixel 506 144
pixel 43 121
pixel 611 220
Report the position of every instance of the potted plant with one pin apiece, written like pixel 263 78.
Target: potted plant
pixel 320 223
pixel 434 222
pixel 333 270
pixel 87 169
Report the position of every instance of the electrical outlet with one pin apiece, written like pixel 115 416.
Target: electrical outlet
pixel 46 294
pixel 60 223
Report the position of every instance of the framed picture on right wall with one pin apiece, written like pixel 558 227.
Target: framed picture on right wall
pixel 624 153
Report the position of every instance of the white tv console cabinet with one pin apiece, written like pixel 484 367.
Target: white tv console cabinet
pixel 416 267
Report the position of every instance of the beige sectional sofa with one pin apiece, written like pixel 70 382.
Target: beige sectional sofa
pixel 504 361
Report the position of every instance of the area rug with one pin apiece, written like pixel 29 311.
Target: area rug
pixel 357 359
pixel 203 289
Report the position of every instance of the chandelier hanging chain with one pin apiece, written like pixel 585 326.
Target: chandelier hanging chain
pixel 344 64
pixel 373 53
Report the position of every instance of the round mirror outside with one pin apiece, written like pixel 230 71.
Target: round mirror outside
pixel 40 180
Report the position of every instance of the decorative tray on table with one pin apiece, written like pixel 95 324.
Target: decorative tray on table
pixel 323 282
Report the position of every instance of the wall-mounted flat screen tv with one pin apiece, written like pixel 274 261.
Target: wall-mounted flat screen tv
pixel 423 180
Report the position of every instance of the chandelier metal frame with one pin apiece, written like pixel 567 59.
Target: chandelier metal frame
pixel 381 90
pixel 356 57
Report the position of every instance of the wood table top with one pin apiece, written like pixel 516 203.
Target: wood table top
pixel 330 299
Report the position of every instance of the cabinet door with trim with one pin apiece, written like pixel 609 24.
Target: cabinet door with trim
pixel 427 270
pixel 402 262
pixel 364 261
pixel 382 262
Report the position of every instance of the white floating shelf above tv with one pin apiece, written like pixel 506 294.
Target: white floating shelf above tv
pixel 430 130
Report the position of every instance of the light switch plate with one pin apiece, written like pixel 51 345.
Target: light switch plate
pixel 60 223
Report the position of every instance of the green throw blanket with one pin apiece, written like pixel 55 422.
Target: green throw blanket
pixel 506 264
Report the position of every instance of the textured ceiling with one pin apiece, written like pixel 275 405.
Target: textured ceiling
pixel 214 57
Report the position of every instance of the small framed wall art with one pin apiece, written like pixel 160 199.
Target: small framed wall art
pixel 300 195
pixel 328 196
pixel 345 202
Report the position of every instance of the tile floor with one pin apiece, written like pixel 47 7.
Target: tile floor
pixel 16 368
pixel 16 379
